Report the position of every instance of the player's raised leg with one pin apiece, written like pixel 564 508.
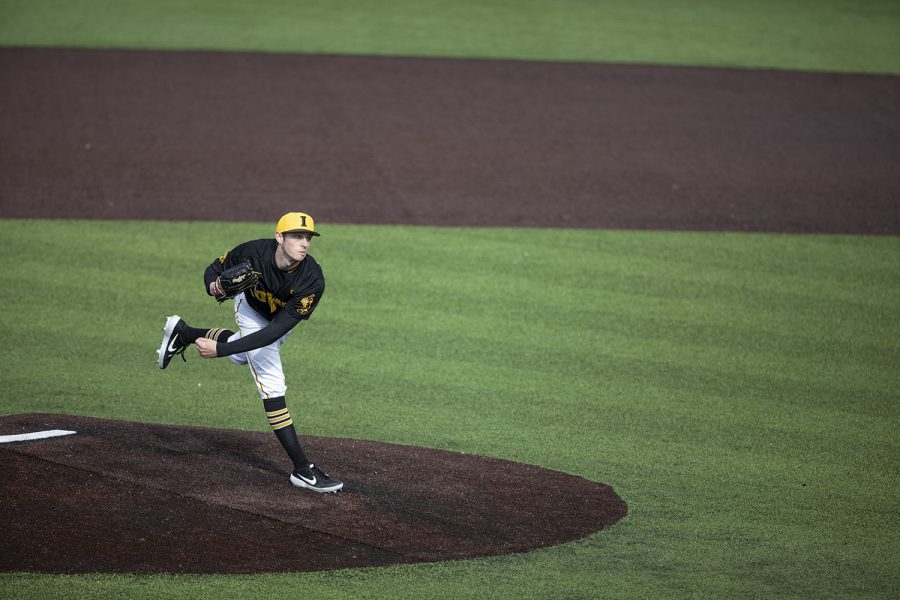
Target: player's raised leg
pixel 178 335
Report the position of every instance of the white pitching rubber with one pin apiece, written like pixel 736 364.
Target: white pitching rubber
pixel 37 435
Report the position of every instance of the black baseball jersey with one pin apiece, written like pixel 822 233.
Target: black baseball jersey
pixel 284 298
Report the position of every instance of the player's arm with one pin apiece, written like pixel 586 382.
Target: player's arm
pixel 277 327
pixel 211 276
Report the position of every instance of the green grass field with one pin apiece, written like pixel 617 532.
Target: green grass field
pixel 739 391
pixel 831 35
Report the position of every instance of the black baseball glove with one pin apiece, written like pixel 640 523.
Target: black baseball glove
pixel 236 279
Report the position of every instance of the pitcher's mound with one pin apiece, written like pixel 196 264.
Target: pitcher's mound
pixel 143 498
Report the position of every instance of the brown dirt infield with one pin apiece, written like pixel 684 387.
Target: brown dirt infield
pixel 242 137
pixel 143 498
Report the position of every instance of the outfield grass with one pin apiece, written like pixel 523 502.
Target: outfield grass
pixel 830 35
pixel 739 391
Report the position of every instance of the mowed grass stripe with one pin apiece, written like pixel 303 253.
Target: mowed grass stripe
pixel 738 390
pixel 832 35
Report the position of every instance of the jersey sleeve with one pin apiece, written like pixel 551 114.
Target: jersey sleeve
pixel 302 305
pixel 277 327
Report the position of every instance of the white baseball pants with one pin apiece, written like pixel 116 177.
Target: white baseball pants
pixel 265 362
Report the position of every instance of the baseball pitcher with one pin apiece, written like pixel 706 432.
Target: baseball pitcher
pixel 274 285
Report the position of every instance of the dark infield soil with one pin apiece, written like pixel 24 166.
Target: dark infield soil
pixel 212 136
pixel 246 137
pixel 143 498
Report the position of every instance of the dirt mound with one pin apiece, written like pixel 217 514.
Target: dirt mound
pixel 144 498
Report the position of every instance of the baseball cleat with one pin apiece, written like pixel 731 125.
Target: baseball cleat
pixel 171 342
pixel 313 478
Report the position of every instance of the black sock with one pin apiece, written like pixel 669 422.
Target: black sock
pixel 190 334
pixel 283 426
pixel 219 334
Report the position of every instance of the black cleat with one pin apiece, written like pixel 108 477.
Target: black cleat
pixel 171 342
pixel 313 478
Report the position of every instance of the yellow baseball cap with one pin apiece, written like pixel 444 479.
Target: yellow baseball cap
pixel 296 221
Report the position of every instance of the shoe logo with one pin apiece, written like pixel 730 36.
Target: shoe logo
pixel 172 346
pixel 309 481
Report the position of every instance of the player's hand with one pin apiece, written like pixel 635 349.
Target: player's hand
pixel 215 290
pixel 206 347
